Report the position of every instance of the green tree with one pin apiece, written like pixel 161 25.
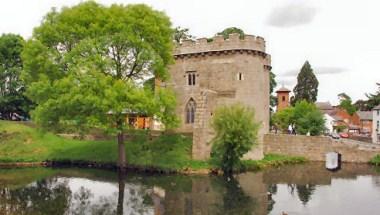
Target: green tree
pixel 308 119
pixel 89 60
pixel 305 117
pixel 307 85
pixel 272 85
pixel 346 103
pixel 236 133
pixel 373 98
pixel 226 32
pixel 282 119
pixel 12 100
pixel 181 34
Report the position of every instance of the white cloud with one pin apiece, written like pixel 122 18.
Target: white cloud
pixel 291 15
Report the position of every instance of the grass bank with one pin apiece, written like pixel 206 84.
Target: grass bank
pixel 21 142
pixel 375 160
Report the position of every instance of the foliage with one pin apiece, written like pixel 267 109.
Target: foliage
pixel 226 32
pixel 282 119
pixel 346 103
pixel 305 117
pixel 181 34
pixel 307 85
pixel 272 85
pixel 236 133
pixel 373 99
pixel 89 60
pixel 308 118
pixel 271 160
pixel 12 100
pixel 92 65
pixel 340 128
pixel 375 160
pixel 21 142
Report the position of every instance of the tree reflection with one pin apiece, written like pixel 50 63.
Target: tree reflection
pixel 305 192
pixel 120 199
pixel 235 201
pixel 48 196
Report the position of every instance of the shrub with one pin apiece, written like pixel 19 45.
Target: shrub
pixel 236 133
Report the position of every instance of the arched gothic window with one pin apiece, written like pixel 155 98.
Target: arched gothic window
pixel 190 111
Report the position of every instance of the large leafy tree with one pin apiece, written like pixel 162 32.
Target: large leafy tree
pixel 304 117
pixel 346 103
pixel 236 133
pixel 12 101
pixel 307 85
pixel 85 65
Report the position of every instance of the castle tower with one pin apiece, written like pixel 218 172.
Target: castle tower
pixel 209 74
pixel 282 98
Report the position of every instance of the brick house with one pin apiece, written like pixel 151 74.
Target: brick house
pixel 365 122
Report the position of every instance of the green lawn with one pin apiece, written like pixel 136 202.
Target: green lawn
pixel 21 142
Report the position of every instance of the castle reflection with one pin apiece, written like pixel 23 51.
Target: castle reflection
pixel 289 189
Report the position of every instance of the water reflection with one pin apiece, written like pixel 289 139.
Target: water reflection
pixel 302 189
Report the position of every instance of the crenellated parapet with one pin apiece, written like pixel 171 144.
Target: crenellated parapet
pixel 218 45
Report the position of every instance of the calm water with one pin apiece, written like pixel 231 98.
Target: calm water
pixel 301 189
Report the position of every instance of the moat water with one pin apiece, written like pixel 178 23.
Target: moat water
pixel 299 189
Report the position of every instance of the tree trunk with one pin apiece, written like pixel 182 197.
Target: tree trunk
pixel 122 160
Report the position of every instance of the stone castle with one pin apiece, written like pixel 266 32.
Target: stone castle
pixel 221 72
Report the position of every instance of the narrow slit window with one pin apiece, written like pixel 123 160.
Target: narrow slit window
pixel 190 111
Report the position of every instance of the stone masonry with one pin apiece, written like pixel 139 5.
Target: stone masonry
pixel 216 73
pixel 314 148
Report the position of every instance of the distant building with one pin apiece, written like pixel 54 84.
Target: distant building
pixel 330 123
pixel 340 117
pixel 325 107
pixel 365 121
pixel 376 124
pixel 282 98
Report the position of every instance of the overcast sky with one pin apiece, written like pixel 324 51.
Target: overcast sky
pixel 340 38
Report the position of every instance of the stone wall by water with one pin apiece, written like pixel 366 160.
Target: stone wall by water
pixel 315 148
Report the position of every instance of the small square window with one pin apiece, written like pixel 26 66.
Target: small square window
pixel 191 76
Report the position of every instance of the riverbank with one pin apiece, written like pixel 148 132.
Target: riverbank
pixel 26 145
pixel 375 160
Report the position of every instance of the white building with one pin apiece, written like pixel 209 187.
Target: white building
pixel 329 123
pixel 376 124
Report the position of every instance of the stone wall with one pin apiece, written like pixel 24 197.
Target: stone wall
pixel 315 148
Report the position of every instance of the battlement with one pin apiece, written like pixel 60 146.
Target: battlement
pixel 218 43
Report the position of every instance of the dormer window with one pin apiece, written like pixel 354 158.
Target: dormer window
pixel 191 76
